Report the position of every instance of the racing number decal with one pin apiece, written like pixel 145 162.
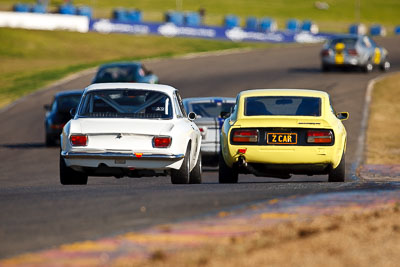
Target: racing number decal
pixel 339 57
pixel 377 56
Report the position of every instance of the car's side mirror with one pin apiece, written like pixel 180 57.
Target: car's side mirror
pixel 224 114
pixel 342 116
pixel 72 112
pixel 46 107
pixel 192 116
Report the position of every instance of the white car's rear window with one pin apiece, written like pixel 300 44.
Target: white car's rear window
pixel 126 103
pixel 282 106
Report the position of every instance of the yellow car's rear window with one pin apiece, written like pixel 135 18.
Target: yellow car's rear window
pixel 282 106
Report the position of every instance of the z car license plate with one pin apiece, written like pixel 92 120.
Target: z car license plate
pixel 282 138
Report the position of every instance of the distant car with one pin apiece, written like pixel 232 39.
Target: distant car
pixel 353 51
pixel 209 121
pixel 58 114
pixel 134 72
pixel 130 129
pixel 278 132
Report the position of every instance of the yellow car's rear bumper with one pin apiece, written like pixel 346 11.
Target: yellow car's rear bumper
pixel 286 154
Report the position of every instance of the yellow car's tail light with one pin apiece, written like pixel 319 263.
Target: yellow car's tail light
pixel 78 140
pixel 245 136
pixel 319 136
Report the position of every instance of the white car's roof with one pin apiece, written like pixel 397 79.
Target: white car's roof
pixel 144 86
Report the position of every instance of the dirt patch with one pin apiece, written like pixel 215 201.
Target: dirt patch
pixel 349 239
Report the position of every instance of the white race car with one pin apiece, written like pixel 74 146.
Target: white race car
pixel 130 129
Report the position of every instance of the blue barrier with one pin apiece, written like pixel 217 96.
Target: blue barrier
pixel 21 7
pixel 377 30
pixel 192 19
pixel 119 15
pixel 122 15
pixel 306 26
pixel 251 24
pixel 84 11
pixel 309 26
pixel 231 21
pixel 397 30
pixel 292 25
pixel 267 25
pixel 357 29
pixel 67 9
pixel 208 32
pixel 353 29
pixel 134 15
pixel 38 8
pixel 176 18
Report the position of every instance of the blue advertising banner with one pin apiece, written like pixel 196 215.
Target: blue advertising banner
pixel 234 34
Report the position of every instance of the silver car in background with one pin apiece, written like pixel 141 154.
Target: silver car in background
pixel 353 51
pixel 209 121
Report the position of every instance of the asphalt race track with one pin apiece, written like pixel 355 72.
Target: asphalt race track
pixel 36 212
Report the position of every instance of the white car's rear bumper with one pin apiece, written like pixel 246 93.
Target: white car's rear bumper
pixel 123 160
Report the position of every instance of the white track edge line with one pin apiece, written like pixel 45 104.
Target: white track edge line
pixel 360 152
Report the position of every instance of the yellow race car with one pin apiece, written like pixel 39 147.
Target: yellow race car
pixel 280 132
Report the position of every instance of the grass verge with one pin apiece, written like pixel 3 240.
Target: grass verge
pixel 383 125
pixel 31 59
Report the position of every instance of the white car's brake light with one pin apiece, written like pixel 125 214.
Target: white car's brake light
pixel 162 141
pixel 78 140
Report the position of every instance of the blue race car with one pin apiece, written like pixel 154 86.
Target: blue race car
pixel 58 114
pixel 134 72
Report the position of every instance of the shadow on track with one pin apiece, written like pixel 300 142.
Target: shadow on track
pixel 304 70
pixel 24 146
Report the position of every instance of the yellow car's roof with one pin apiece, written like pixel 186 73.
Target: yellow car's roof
pixel 283 92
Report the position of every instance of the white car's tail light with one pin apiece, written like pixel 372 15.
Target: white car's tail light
pixel 78 140
pixel 319 137
pixel 245 136
pixel 203 131
pixel 162 141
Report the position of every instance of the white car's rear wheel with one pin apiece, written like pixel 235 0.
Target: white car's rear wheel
pixel 338 174
pixel 70 177
pixel 226 175
pixel 195 174
pixel 182 175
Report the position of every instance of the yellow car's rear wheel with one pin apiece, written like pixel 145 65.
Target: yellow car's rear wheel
pixel 338 174
pixel 226 174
